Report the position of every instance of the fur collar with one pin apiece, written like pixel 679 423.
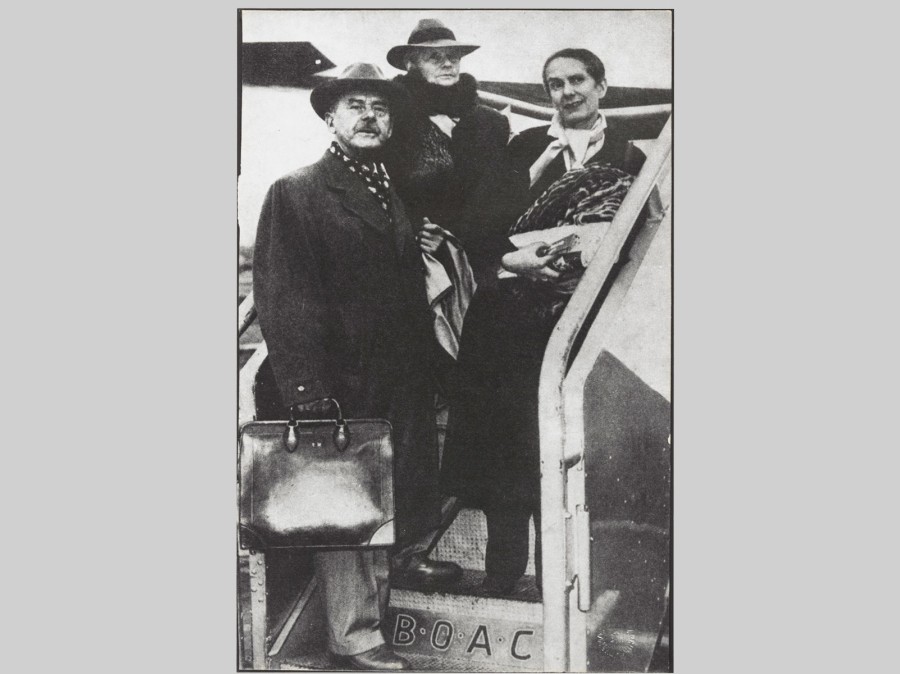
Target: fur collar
pixel 434 99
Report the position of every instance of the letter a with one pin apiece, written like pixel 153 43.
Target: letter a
pixel 476 643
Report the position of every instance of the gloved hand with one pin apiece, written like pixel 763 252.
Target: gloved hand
pixel 322 408
pixel 431 237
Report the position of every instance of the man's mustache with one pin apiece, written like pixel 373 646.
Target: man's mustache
pixel 367 128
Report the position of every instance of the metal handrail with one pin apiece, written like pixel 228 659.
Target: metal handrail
pixel 554 464
pixel 246 314
pixel 247 376
pixel 501 102
pixel 247 384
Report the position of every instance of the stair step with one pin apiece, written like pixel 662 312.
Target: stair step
pixel 465 541
pixel 470 586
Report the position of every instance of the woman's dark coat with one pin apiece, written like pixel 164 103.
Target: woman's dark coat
pixel 341 299
pixel 492 451
pixel 479 194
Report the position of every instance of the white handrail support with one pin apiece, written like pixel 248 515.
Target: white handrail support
pixel 555 459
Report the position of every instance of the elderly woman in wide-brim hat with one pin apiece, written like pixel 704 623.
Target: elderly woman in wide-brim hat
pixel 449 158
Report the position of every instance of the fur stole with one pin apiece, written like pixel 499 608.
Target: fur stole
pixel 434 99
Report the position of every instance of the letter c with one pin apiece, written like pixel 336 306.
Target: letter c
pixel 515 641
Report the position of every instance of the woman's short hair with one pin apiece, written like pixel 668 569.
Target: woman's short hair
pixel 592 63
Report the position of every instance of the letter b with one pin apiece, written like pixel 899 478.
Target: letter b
pixel 404 630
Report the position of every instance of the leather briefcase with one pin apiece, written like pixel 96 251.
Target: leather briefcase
pixel 316 484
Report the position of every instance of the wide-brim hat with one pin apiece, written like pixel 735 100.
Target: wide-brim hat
pixel 428 34
pixel 357 77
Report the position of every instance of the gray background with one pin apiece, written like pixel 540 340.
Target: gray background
pixel 119 498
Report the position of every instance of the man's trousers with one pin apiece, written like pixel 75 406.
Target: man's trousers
pixel 355 588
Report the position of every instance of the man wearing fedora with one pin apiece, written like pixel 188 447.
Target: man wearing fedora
pixel 339 288
pixel 449 158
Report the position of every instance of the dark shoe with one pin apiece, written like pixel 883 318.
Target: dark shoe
pixel 498 585
pixel 380 658
pixel 430 572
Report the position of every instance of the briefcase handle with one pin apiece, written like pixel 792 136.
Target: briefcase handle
pixel 341 435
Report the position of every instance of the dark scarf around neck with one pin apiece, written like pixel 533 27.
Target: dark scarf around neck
pixel 434 99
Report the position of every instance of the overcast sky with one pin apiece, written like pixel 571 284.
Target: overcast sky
pixel 635 46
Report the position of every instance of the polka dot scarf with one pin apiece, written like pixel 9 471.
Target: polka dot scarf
pixel 372 173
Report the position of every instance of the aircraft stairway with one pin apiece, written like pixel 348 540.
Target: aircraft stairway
pixel 465 630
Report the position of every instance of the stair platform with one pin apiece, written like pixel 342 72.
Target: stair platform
pixel 469 628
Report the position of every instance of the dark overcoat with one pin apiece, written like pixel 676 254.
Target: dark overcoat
pixel 492 450
pixel 341 299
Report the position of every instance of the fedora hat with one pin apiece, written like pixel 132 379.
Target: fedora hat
pixel 355 77
pixel 428 34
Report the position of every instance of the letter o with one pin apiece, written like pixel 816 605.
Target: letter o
pixel 445 629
